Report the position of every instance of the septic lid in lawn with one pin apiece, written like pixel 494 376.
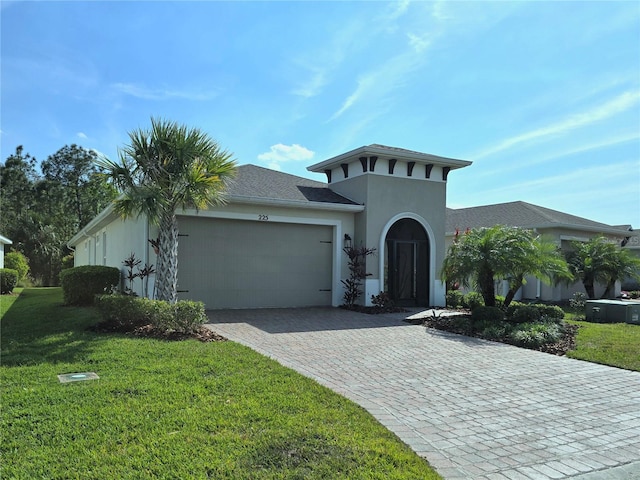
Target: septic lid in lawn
pixel 77 377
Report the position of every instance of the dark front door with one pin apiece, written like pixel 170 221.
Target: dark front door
pixel 404 273
pixel 406 264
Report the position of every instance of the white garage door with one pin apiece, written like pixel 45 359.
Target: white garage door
pixel 247 264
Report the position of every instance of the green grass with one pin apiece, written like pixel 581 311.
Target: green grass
pixel 171 409
pixel 615 344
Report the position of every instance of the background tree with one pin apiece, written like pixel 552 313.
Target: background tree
pixel 480 257
pixel 72 191
pixel 601 261
pixel 40 212
pixel 17 195
pixel 165 169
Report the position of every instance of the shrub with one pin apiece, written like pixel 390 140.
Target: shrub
pixel 500 301
pixel 483 317
pixel 454 298
pixel 128 313
pixel 472 300
pixel 121 311
pixel 81 284
pixel 189 316
pixel 552 312
pixel 487 314
pixel 18 262
pixel 523 313
pixel 8 280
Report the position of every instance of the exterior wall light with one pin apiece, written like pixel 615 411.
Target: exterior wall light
pixel 347 241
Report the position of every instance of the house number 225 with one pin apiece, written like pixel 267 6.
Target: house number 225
pixel 264 218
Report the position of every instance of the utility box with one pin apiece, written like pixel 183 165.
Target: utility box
pixel 613 311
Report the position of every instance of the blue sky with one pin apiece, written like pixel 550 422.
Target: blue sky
pixel 543 97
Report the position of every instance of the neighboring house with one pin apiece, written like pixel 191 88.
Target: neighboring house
pixel 560 227
pixel 278 242
pixel 3 241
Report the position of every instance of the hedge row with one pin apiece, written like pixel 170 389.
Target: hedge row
pixel 129 312
pixel 8 280
pixel 80 285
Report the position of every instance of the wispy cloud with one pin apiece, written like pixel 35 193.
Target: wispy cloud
pixel 314 85
pixel 147 93
pixel 365 84
pixel 81 135
pixel 598 180
pixel 399 8
pixel 582 148
pixel 613 107
pixel 280 153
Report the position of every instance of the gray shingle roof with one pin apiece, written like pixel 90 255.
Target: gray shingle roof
pixel 519 214
pixel 258 182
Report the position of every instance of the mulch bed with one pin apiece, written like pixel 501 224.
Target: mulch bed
pixel 149 331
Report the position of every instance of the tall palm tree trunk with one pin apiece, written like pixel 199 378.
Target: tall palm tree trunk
pixel 167 271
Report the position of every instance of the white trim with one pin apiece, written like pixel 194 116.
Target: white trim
pixel 5 240
pixel 336 287
pixel 432 250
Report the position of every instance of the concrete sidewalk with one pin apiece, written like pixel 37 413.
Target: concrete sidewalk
pixel 474 409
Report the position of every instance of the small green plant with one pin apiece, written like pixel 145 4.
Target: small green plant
pixel 535 335
pixel 143 274
pixel 577 302
pixel 81 284
pixel 18 262
pixel 8 280
pixel 382 302
pixel 454 298
pixel 495 332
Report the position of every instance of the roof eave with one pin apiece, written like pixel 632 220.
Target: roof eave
pixel 405 155
pixel 103 218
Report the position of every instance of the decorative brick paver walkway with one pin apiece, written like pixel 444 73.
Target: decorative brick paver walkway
pixel 474 409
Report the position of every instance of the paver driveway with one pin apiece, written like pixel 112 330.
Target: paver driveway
pixel 474 409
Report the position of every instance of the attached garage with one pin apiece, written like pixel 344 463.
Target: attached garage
pixel 228 263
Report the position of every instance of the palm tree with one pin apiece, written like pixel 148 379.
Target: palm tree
pixel 600 261
pixel 165 169
pixel 482 256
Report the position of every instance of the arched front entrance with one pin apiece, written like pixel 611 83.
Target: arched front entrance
pixel 406 263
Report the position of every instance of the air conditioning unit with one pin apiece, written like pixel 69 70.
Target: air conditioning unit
pixel 613 311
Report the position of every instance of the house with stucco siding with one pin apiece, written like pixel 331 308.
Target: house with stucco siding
pixel 279 239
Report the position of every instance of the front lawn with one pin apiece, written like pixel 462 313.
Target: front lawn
pixel 615 344
pixel 171 409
